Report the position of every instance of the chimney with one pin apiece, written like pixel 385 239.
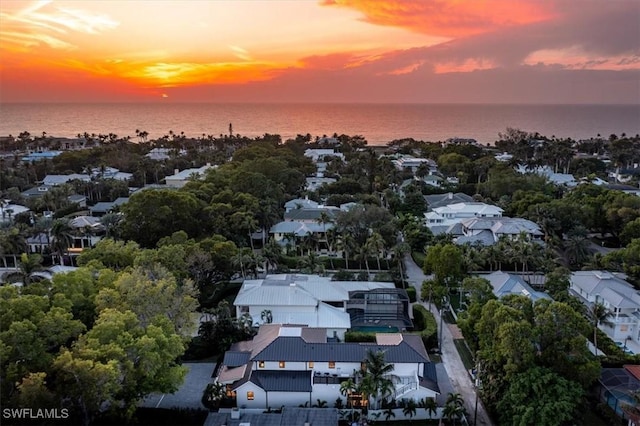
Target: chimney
pixel 450 195
pixel 176 171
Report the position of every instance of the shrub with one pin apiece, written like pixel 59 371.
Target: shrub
pixel 425 323
pixel 359 336
pixel 411 292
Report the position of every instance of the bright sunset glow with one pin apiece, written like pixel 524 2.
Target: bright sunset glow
pixel 347 50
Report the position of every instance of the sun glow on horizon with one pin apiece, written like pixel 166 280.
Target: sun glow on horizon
pixel 138 48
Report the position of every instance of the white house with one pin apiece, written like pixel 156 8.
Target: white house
pixel 8 211
pixel 562 179
pixel 413 163
pixel 300 203
pixel 110 173
pixel 180 178
pixel 488 230
pixel 504 157
pixel 455 213
pixel 292 365
pixel 320 155
pixel 315 182
pixel 309 300
pixel 504 284
pixel 617 295
pixel 53 180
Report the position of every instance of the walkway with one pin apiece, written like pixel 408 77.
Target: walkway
pixel 458 375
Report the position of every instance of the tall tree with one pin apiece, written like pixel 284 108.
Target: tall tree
pixel 599 315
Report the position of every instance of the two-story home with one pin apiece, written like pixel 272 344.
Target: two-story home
pixel 488 230
pixel 408 162
pixel 451 214
pixel 54 180
pixel 314 301
pixel 180 178
pixel 617 295
pixel 303 218
pixel 291 366
pixel 504 284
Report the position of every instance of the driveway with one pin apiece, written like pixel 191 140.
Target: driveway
pixel 457 373
pixel 190 393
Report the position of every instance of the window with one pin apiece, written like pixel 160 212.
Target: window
pixel 310 364
pixel 260 364
pixel 281 364
pixel 250 395
pixel 332 364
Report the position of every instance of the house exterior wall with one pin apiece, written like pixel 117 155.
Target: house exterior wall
pixel 256 311
pixel 327 393
pixel 288 399
pixel 259 396
pixel 275 365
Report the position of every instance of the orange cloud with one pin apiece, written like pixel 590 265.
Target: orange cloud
pixel 449 18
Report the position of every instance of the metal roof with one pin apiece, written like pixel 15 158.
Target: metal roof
pixel 236 358
pixel 296 349
pixel 288 417
pixel 283 381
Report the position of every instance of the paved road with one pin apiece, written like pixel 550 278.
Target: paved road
pixel 458 375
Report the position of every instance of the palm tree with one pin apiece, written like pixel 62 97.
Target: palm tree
pixel 62 235
pixel 410 409
pixel 245 321
pixel 577 246
pixel 375 244
pixel 272 253
pixel 401 250
pixel 388 413
pixel 362 253
pixel 28 267
pixel 379 373
pixel 345 244
pixel 266 316
pixel 599 314
pixel 110 221
pixel 454 407
pixel 320 403
pixel 323 220
pixel 432 406
pixel 213 395
pixel 346 389
pixel 241 259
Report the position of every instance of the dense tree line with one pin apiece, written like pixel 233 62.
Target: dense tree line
pixel 94 341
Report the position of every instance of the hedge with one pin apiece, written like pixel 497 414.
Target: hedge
pixel 359 336
pixel 411 292
pixel 425 323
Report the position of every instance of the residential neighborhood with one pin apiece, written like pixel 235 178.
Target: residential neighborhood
pixel 327 283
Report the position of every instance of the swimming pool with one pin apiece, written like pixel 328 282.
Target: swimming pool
pixel 376 329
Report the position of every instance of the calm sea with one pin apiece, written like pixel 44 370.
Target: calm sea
pixel 378 123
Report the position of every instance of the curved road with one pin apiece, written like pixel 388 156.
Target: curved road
pixel 458 375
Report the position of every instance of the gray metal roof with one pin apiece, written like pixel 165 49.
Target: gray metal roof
pixel 308 214
pixel 288 417
pixel 429 379
pixel 296 349
pixel 282 381
pixel 439 200
pixel 236 358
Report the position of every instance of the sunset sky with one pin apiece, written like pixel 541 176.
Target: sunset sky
pixel 414 51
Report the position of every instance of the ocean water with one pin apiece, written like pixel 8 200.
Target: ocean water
pixel 378 123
